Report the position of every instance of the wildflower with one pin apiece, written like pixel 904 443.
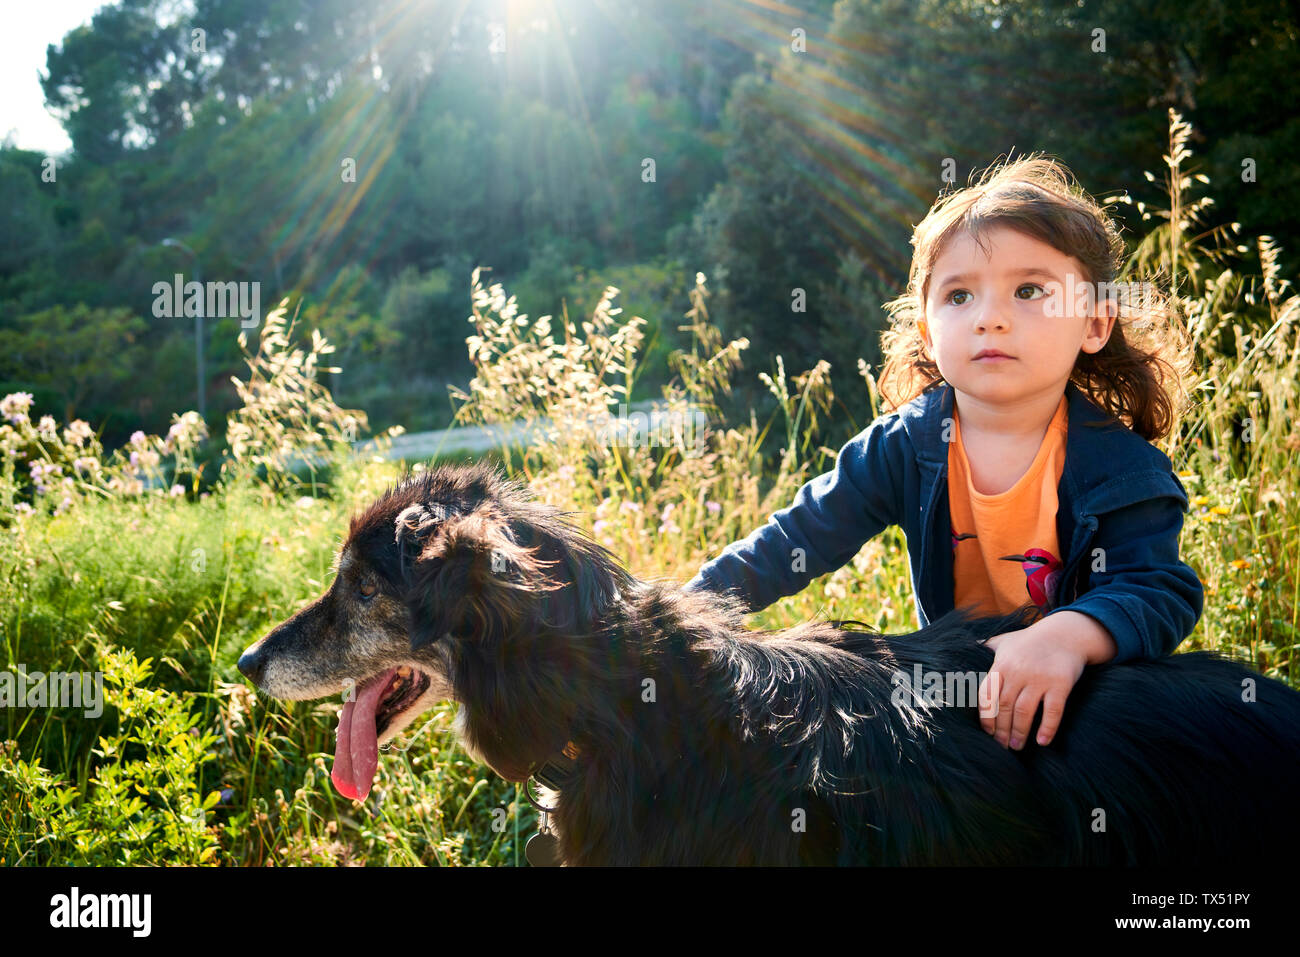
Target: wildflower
pixel 187 430
pixel 22 508
pixel 713 507
pixel 176 490
pixel 78 433
pixel 47 429
pixel 14 406
pixel 127 487
pixel 145 459
pixel 666 523
pixel 41 471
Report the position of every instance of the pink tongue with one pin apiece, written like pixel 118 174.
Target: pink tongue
pixel 356 754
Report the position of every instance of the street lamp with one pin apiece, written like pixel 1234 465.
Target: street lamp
pixel 198 319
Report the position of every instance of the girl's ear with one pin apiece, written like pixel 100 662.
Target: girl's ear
pixel 470 580
pixel 1102 324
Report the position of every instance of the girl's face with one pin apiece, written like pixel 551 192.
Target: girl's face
pixel 1024 301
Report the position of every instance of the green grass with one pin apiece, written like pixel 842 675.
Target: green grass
pixel 186 765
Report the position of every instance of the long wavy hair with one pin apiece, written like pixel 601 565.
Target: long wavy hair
pixel 1138 375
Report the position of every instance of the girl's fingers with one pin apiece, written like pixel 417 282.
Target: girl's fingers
pixel 1007 711
pixel 1053 709
pixel 1023 716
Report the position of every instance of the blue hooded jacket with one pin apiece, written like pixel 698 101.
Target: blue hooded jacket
pixel 1120 509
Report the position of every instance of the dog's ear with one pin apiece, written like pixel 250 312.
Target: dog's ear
pixel 414 524
pixel 473 580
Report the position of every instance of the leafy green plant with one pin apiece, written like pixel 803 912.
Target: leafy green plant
pixel 143 804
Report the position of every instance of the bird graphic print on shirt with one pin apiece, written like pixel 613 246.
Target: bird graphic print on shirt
pixel 1041 568
pixel 1004 546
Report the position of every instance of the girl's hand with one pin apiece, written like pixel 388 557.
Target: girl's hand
pixel 1041 663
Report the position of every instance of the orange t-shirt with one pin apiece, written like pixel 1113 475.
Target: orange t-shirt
pixel 1005 551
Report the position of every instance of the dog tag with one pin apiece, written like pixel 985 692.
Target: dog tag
pixel 543 850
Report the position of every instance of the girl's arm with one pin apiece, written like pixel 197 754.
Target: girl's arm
pixel 832 516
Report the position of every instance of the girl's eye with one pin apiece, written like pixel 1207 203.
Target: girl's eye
pixel 368 589
pixel 1029 285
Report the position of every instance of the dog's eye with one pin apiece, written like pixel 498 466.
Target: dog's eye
pixel 367 589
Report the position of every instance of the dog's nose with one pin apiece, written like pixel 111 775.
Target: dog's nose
pixel 251 665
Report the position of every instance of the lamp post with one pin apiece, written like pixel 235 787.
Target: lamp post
pixel 198 319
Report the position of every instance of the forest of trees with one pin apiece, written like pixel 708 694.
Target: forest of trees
pixel 791 151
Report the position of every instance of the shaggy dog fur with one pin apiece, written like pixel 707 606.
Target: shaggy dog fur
pixel 700 741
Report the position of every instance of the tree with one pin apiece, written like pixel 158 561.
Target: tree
pixel 81 354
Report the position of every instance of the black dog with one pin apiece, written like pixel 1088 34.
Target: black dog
pixel 674 735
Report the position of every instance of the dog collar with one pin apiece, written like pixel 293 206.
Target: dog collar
pixel 558 769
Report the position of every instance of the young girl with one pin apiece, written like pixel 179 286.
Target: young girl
pixel 1012 357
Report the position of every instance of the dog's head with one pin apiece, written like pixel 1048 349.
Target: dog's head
pixel 447 587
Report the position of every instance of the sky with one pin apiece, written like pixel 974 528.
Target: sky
pixel 30 26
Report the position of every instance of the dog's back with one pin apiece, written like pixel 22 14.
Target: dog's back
pixel 821 745
pixel 1192 759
